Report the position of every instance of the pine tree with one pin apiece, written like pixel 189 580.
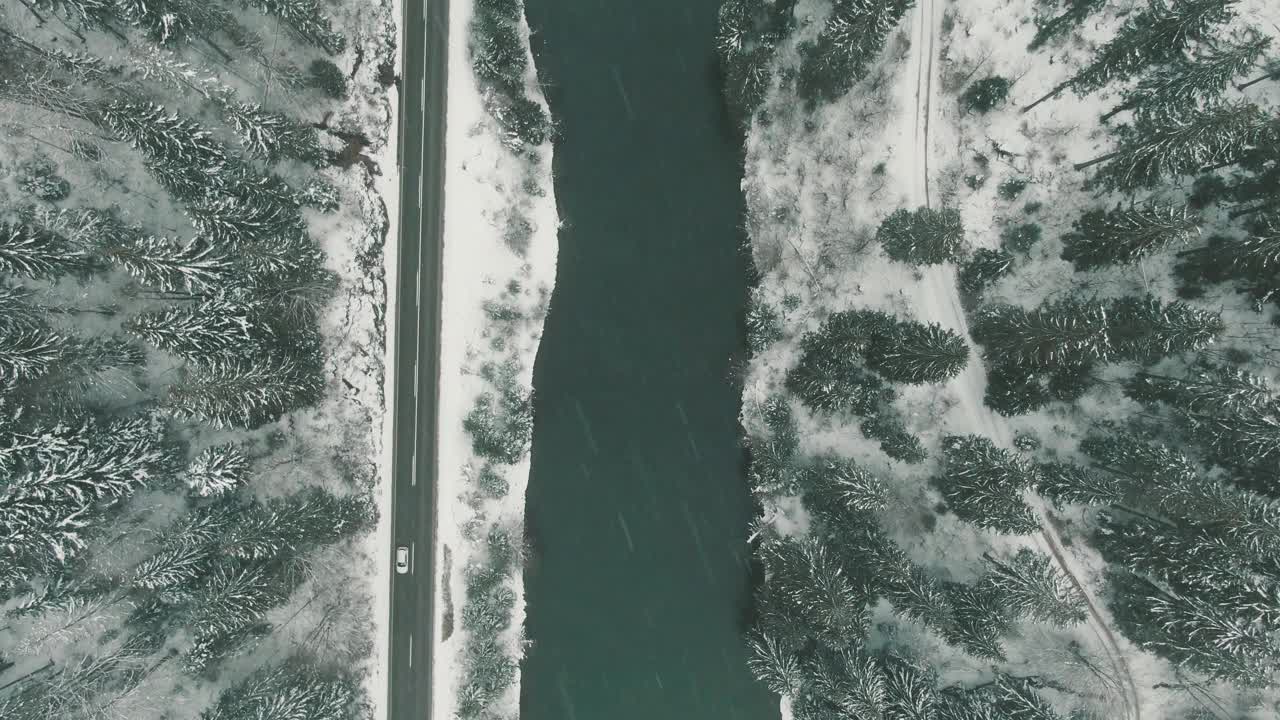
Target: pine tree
pixel 831 480
pixel 243 393
pixel 1190 82
pixel 174 566
pixel 985 267
pixel 271 136
pixel 1076 12
pixel 910 690
pixel 922 237
pixel 1122 236
pixel 1016 698
pixel 979 620
pixel 773 452
pixel 217 470
pixel 1031 585
pixel 218 327
pixel 1053 335
pixel 918 354
pixel 263 231
pixel 983 484
pixel 775 664
pixel 28 353
pixel 168 266
pixel 38 254
pixel 64 482
pixel 852 680
pixel 847 44
pixel 1154 36
pixel 1145 329
pixel 1067 483
pixel 288 691
pixel 834 384
pixel 1184 143
pixel 167 139
pixel 1232 413
pixel 1194 632
pixel 307 20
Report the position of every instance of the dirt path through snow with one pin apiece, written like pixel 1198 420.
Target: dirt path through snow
pixel 937 300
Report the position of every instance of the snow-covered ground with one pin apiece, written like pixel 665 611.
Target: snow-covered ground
pixel 484 183
pixel 818 184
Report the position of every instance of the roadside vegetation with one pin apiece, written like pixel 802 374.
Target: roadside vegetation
pixel 1086 442
pixel 499 421
pixel 183 483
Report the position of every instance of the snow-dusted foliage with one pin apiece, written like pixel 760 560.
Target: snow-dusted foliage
pixel 217 470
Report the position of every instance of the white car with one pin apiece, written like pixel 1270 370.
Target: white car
pixel 402 560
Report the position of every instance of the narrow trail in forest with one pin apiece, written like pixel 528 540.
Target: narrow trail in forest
pixel 938 300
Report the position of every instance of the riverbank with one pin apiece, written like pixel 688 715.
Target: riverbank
pixel 496 286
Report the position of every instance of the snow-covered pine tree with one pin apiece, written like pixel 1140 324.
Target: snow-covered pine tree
pixel 819 589
pixel 1158 147
pixel 1123 235
pixel 307 20
pixel 1189 82
pixel 1232 413
pixel 48 507
pixel 910 690
pixel 983 268
pixel 171 266
pixel 293 689
pixel 983 485
pixel 916 354
pixel 833 480
pixel 1069 483
pixel 845 47
pixel 923 236
pixel 773 452
pixel 271 135
pixel 1153 36
pixel 1063 333
pixel 232 597
pixel 1186 558
pixel 979 620
pixel 1171 485
pixel 173 566
pixel 167 139
pixel 1016 698
pixel 850 679
pixel 247 222
pixel 1194 632
pixel 219 327
pixel 775 663
pixel 833 384
pixel 1145 329
pixel 764 327
pixel 1031 585
pixel 37 253
pixel 27 353
pixel 217 470
pixel 243 393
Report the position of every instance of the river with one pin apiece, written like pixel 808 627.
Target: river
pixel 637 503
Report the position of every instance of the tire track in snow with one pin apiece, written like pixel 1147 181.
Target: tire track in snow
pixel 940 302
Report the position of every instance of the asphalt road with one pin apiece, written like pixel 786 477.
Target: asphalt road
pixel 416 372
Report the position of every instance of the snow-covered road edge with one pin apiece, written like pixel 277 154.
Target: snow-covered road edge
pixel 483 179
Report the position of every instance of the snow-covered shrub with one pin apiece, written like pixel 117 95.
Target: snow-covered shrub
pixel 984 95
